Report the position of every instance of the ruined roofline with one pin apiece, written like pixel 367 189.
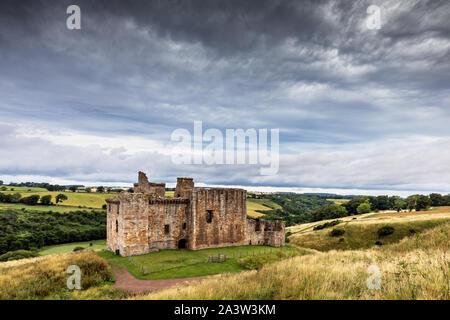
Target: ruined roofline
pixel 217 188
pixel 113 200
pixel 153 184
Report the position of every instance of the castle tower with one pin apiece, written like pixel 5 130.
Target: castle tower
pixel 151 188
pixel 183 185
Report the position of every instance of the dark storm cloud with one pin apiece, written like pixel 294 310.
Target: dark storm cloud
pixel 310 68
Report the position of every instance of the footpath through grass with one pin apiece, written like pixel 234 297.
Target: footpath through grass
pixel 169 264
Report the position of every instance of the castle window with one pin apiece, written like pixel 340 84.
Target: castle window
pixel 117 226
pixel 209 216
pixel 184 225
pixel 166 229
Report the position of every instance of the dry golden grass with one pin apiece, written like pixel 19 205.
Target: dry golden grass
pixel 438 210
pixel 45 277
pixel 361 230
pixel 415 268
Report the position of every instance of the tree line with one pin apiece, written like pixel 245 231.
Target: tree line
pixel 367 204
pixel 31 200
pixel 30 230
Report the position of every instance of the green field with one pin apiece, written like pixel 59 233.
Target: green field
pixel 22 189
pixel 260 204
pixel 75 199
pixel 54 208
pixel 339 201
pixel 97 245
pixel 167 264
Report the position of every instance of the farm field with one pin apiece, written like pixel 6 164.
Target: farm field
pixel 23 189
pixel 77 200
pixel 167 264
pixel 260 204
pixel 74 199
pixel 339 201
pixel 54 208
pixel 97 245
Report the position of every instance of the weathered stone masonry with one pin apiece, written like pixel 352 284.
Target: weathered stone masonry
pixel 196 218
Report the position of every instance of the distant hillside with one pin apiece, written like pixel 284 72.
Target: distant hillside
pixel 290 207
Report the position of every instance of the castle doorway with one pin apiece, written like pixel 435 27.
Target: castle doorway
pixel 182 244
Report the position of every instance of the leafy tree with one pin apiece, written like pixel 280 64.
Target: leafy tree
pixel 436 199
pixel 446 200
pixel 373 203
pixel 15 198
pixel 73 188
pixel 88 190
pixel 60 198
pixel 352 205
pixel 1 182
pixel 31 200
pixel 46 200
pixel 383 203
pixel 130 190
pixel 101 189
pixel 423 203
pixel 399 204
pixel 411 202
pixel 363 208
pixel 330 211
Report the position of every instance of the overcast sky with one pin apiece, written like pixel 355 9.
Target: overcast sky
pixel 359 110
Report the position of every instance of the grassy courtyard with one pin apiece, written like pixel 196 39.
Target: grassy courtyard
pixel 167 264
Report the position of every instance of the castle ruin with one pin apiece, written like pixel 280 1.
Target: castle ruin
pixel 195 218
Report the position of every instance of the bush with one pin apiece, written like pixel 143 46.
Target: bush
pixel 46 200
pixel 337 232
pixel 46 277
pixel 18 254
pixel 286 237
pixel 78 248
pixel 363 208
pixel 31 200
pixel 379 243
pixel 385 231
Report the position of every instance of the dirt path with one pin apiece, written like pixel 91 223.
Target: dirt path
pixel 126 281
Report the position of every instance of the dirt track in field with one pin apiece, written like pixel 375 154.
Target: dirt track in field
pixel 126 281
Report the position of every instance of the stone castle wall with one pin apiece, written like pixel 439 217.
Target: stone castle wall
pixel 197 218
pixel 260 231
pixel 218 217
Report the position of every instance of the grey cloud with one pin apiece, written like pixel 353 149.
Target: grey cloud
pixel 145 68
